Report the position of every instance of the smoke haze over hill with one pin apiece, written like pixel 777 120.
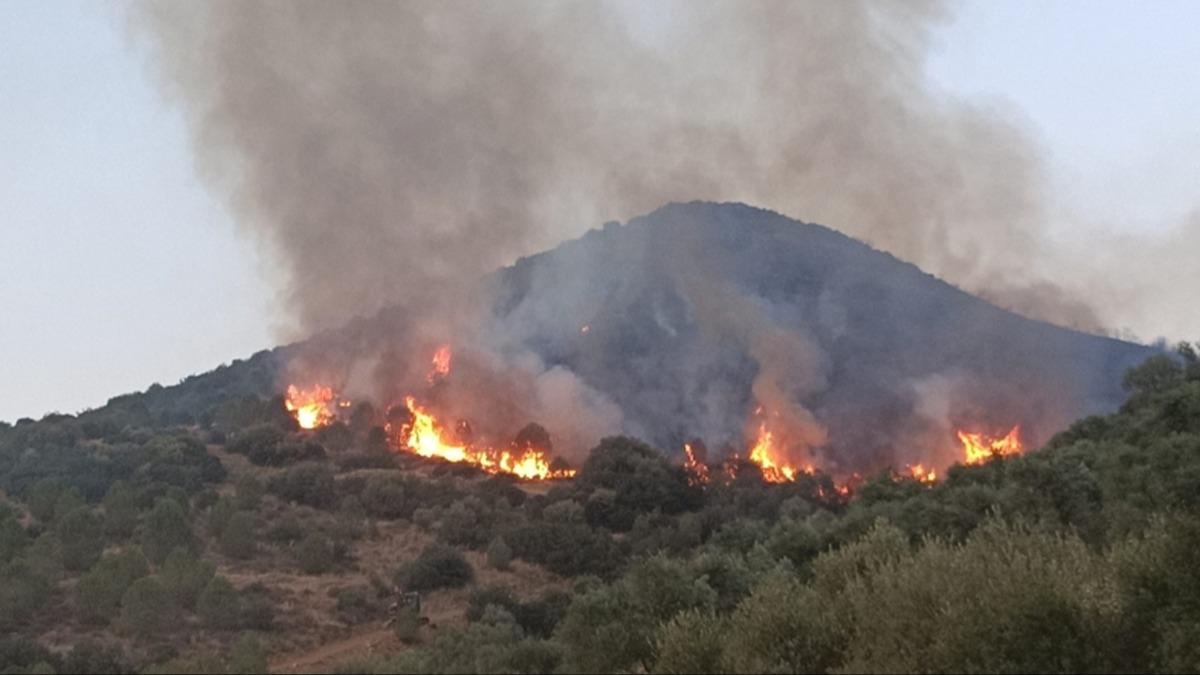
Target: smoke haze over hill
pixel 389 152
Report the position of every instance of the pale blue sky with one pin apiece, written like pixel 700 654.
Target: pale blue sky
pixel 118 270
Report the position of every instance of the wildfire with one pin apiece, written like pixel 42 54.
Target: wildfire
pixel 424 436
pixel 978 447
pixel 441 364
pixel 766 456
pixel 919 472
pixel 698 473
pixel 310 407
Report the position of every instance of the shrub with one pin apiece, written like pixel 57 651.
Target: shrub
pixel 98 593
pixel 95 658
pixel 316 554
pixel 308 484
pixel 82 538
pixel 356 604
pixel 482 598
pixel 249 493
pixel 238 539
pixel 247 656
pixel 438 566
pixel 499 554
pixel 220 514
pixel 218 604
pixel 146 608
pixel 165 530
pixel 185 577
pixel 13 538
pixel 691 642
pixel 23 593
pixel 120 510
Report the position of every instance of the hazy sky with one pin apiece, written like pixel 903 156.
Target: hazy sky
pixel 118 270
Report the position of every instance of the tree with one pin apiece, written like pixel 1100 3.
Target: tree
pixel 185 577
pixel 499 554
pixel 82 538
pixel 165 530
pixel 146 608
pixel 1155 374
pixel 691 642
pixel 13 538
pixel 99 592
pixel 316 554
pixel 247 656
pixel 120 510
pixel 238 539
pixel 23 593
pixel 219 604
pixel 438 566
pixel 220 514
pixel 308 484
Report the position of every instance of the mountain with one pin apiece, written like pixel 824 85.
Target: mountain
pixel 691 317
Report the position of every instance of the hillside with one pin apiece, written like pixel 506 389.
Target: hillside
pixel 199 528
pixel 679 318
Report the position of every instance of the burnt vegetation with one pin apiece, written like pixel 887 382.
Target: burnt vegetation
pixel 132 539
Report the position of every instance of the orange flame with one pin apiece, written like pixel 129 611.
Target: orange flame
pixel 697 471
pixel 310 407
pixel 424 436
pixel 919 472
pixel 978 447
pixel 766 456
pixel 441 364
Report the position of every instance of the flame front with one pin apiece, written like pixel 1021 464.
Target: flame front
pixel 920 473
pixel 310 407
pixel 766 456
pixel 697 471
pixel 424 436
pixel 978 447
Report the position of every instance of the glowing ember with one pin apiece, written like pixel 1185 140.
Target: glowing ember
pixel 766 456
pixel 978 448
pixel 310 407
pixel 920 473
pixel 697 471
pixel 424 436
pixel 441 364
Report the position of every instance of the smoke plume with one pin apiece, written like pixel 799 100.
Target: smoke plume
pixel 389 152
pixel 393 154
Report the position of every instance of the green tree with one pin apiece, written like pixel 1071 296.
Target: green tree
pixel 82 538
pixel 691 642
pixel 438 566
pixel 98 593
pixel 239 539
pixel 146 608
pixel 247 656
pixel 499 554
pixel 13 538
pixel 166 529
pixel 220 514
pixel 120 510
pixel 185 577
pixel 219 604
pixel 315 554
pixel 23 594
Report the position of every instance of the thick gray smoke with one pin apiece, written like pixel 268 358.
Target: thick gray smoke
pixel 394 153
pixel 386 152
